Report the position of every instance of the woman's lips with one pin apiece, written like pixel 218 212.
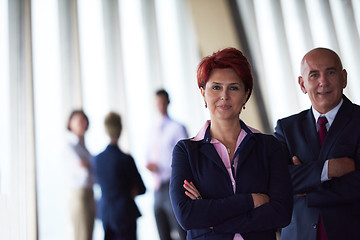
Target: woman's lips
pixel 224 107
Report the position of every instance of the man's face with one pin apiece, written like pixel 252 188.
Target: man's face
pixel 162 103
pixel 323 79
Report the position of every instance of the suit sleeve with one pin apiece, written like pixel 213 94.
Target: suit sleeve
pixel 337 191
pixel 136 178
pixel 275 214
pixel 305 177
pixel 205 213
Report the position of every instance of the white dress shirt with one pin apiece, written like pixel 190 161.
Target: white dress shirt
pixel 163 140
pixel 330 116
pixel 75 152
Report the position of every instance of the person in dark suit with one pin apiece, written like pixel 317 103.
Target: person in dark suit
pixel 229 181
pixel 120 183
pixel 324 170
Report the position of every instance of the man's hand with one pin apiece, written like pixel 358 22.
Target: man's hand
pixel 340 166
pixel 296 160
pixel 84 163
pixel 134 192
pixel 260 199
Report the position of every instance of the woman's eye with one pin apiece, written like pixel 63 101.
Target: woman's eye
pixel 234 88
pixel 216 87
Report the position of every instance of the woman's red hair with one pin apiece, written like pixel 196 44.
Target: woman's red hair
pixel 226 58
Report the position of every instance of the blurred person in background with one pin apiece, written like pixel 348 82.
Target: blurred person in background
pixel 120 183
pixel 80 179
pixel 229 182
pixel 163 139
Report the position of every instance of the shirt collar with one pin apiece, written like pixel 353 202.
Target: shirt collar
pixel 163 120
pixel 201 134
pixel 72 138
pixel 204 133
pixel 330 116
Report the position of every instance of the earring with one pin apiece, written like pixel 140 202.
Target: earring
pixel 205 105
pixel 244 107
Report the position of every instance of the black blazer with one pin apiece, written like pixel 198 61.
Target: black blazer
pixel 336 200
pixel 117 175
pixel 262 168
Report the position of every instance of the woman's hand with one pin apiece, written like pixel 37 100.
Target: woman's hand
pixel 191 190
pixel 260 199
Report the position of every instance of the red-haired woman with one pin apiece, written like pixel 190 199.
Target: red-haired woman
pixel 229 181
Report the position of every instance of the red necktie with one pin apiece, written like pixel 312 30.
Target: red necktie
pixel 322 128
pixel 320 235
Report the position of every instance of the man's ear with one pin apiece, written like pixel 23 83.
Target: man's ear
pixel 302 84
pixel 344 73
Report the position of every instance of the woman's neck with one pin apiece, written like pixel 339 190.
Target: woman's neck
pixel 226 132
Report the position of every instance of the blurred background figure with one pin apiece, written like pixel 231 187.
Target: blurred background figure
pixel 120 183
pixel 80 180
pixel 164 137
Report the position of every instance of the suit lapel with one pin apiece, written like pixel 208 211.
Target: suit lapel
pixel 209 151
pixel 342 119
pixel 243 152
pixel 311 136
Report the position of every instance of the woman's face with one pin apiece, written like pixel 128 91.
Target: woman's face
pixel 78 124
pixel 224 94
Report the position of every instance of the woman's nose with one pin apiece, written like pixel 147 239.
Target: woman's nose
pixel 224 95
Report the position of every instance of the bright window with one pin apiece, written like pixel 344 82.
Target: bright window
pixel 5 160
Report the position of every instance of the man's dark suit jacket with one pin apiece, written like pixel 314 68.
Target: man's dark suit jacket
pixel 262 168
pixel 337 201
pixel 117 175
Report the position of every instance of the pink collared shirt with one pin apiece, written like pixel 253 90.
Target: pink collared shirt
pixel 223 153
